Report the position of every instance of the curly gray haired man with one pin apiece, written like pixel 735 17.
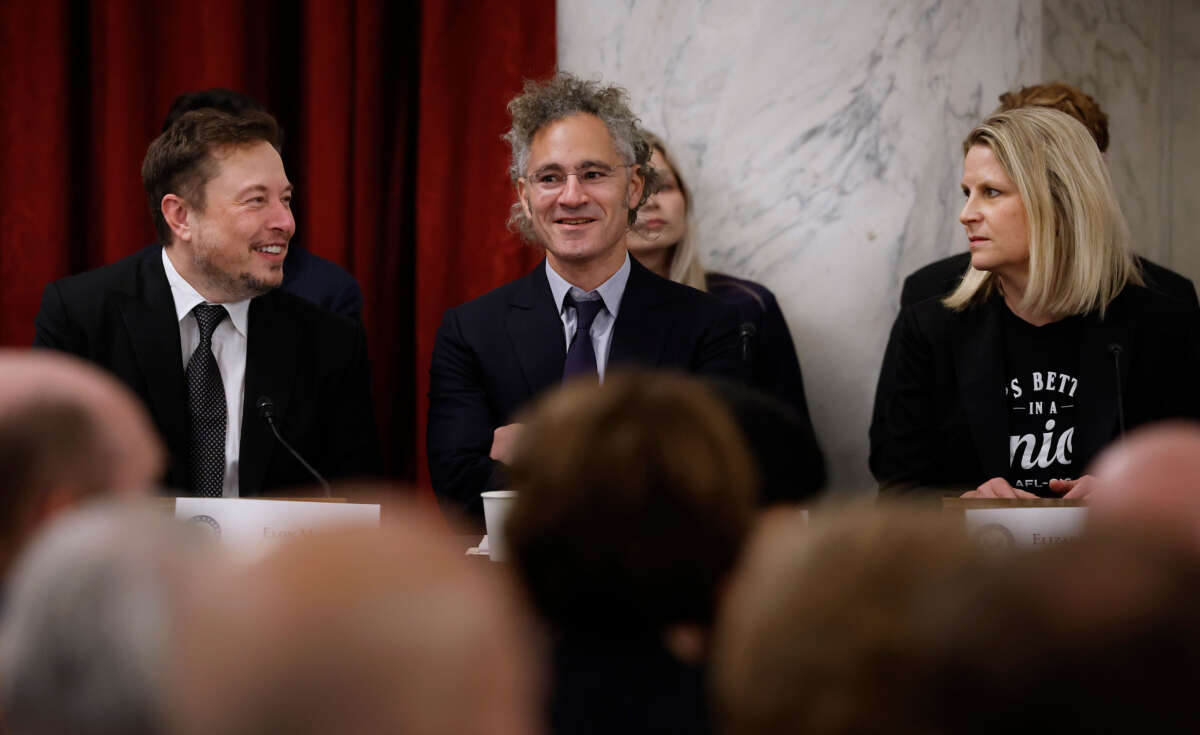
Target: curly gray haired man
pixel 542 103
pixel 581 171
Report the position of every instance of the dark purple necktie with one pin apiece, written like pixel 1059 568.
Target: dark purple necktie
pixel 581 355
pixel 206 408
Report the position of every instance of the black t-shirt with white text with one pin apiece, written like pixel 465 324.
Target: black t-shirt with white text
pixel 1042 363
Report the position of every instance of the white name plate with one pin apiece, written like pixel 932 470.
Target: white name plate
pixel 252 527
pixel 1024 528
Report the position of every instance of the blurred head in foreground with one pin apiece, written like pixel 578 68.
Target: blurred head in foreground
pixel 86 621
pixel 1096 635
pixel 68 431
pixel 894 624
pixel 356 632
pixel 634 499
pixel 816 634
pixel 1151 479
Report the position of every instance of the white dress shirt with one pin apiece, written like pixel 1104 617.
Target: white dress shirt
pixel 609 292
pixel 229 349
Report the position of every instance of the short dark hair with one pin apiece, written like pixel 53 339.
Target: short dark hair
pixel 216 98
pixel 180 161
pixel 634 498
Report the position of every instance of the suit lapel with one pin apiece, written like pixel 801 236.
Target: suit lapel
pixel 153 332
pixel 638 334
pixel 1096 415
pixel 980 366
pixel 271 359
pixel 536 331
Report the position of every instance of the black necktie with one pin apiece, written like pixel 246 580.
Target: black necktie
pixel 206 406
pixel 581 355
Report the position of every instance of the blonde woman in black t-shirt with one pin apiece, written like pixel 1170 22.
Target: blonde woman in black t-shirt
pixel 1049 346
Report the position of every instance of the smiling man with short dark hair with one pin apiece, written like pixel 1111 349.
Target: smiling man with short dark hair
pixel 199 330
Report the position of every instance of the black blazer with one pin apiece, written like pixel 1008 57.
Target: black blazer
pixel 941 277
pixel 941 415
pixel 310 362
pixel 496 353
pixel 791 466
pixel 322 282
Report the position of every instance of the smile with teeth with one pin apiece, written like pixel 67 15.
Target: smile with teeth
pixel 270 249
pixel 575 221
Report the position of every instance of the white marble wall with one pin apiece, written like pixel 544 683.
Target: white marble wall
pixel 1141 60
pixel 1182 61
pixel 822 141
pixel 1112 49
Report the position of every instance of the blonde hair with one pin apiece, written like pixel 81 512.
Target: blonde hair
pixel 685 261
pixel 1080 255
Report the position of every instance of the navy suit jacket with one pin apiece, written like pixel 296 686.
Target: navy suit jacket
pixel 311 363
pixel 941 414
pixel 322 282
pixel 495 354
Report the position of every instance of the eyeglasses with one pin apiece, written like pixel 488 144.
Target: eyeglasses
pixel 589 177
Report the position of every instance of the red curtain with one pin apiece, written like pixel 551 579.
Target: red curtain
pixel 359 86
pixel 474 57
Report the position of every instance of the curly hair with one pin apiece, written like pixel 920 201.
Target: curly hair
pixel 563 95
pixel 1064 98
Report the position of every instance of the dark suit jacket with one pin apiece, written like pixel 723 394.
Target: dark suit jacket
pixel 941 277
pixel 322 282
pixel 311 363
pixel 941 415
pixel 791 467
pixel 494 354
pixel 602 686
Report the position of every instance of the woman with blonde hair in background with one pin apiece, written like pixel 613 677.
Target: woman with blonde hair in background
pixel 1050 345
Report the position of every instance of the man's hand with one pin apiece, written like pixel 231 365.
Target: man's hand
pixel 1079 488
pixel 504 442
pixel 998 487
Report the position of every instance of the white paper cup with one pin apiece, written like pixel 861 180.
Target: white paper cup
pixel 496 507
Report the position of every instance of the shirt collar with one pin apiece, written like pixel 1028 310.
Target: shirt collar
pixel 186 298
pixel 610 291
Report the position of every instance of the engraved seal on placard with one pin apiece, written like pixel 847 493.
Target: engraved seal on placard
pixel 994 537
pixel 206 522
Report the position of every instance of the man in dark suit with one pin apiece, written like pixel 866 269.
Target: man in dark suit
pixel 200 332
pixel 309 276
pixel 580 170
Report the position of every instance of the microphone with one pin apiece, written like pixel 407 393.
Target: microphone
pixel 1115 349
pixel 266 410
pixel 747 332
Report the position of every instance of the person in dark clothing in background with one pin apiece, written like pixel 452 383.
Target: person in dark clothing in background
pixel 660 241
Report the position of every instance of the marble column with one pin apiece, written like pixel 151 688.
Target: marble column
pixel 1112 50
pixel 1182 249
pixel 822 144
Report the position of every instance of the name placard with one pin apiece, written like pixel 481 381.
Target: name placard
pixel 252 527
pixel 1024 528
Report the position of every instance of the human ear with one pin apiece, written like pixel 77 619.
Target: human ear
pixel 636 184
pixel 177 213
pixel 523 196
